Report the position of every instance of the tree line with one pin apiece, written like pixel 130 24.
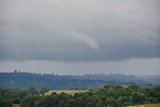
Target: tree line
pixel 108 96
pixel 18 79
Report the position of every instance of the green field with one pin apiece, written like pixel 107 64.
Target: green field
pixel 71 92
pixel 15 105
pixel 147 105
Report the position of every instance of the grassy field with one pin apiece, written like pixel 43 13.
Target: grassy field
pixel 15 105
pixel 147 105
pixel 71 92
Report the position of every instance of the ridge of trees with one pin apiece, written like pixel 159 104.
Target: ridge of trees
pixel 18 79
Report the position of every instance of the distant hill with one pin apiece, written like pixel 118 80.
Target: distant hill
pixel 51 81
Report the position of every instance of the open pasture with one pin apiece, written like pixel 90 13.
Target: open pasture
pixel 71 92
pixel 147 105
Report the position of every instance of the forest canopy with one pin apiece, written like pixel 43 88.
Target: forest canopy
pixel 108 96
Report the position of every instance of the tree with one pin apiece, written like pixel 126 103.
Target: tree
pixel 43 91
pixel 16 101
pixel 110 101
pixel 61 103
pixel 99 103
pixel 29 101
pixel 5 103
pixel 138 98
pixel 32 91
pixel 89 104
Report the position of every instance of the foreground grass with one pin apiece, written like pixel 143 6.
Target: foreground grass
pixel 147 105
pixel 15 105
pixel 71 92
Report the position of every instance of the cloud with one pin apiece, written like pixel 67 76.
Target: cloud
pixel 81 30
pixel 85 40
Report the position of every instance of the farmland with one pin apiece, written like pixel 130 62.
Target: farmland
pixel 15 105
pixel 71 92
pixel 147 105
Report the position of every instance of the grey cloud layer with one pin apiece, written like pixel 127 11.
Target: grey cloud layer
pixel 81 30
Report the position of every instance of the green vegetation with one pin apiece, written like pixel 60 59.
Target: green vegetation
pixel 26 80
pixel 15 105
pixel 147 105
pixel 108 96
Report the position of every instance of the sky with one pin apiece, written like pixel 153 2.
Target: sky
pixel 75 37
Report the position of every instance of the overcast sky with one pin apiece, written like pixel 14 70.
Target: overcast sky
pixel 80 36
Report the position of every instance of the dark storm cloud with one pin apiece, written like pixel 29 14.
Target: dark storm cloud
pixel 81 30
